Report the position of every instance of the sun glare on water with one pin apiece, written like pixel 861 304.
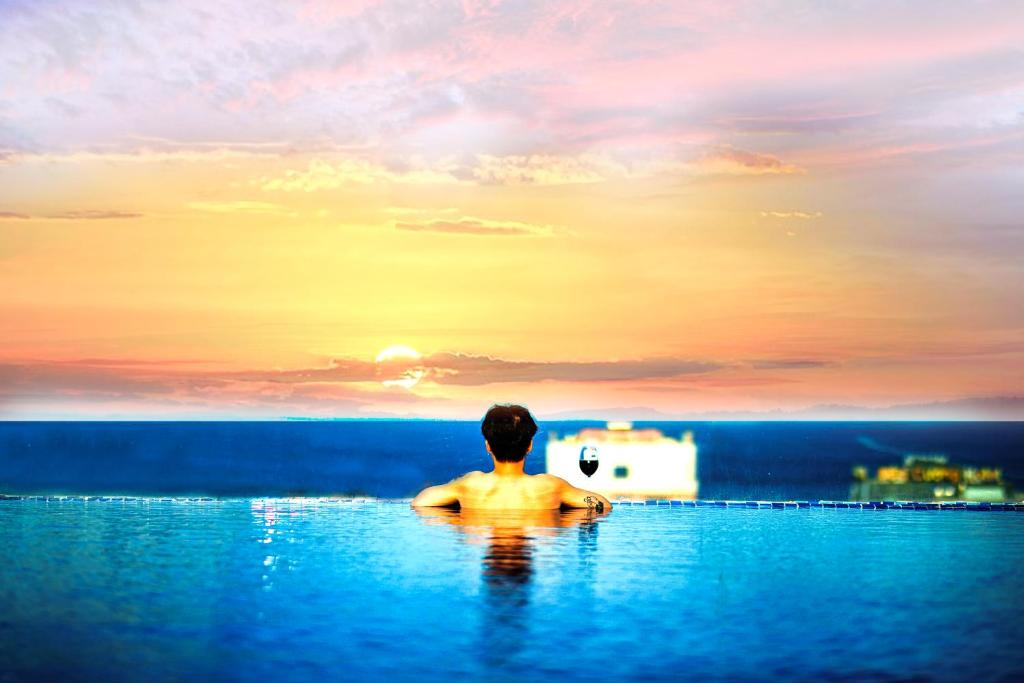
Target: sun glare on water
pixel 396 352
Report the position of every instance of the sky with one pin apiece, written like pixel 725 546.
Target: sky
pixel 251 209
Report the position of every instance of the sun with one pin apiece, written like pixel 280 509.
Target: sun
pixel 401 352
pixel 397 351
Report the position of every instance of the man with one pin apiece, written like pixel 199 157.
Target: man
pixel 508 435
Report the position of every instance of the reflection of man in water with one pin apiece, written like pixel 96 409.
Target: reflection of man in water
pixel 507 565
pixel 508 434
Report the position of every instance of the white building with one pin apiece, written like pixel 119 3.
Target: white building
pixel 633 463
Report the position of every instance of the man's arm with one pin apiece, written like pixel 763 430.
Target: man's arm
pixel 581 498
pixel 440 495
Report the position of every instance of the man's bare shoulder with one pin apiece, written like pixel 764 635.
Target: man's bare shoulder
pixel 551 480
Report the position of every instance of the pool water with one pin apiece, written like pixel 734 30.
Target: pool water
pixel 294 590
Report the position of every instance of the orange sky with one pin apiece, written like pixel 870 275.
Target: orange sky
pixel 585 213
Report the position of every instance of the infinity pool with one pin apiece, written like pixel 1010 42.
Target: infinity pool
pixel 294 590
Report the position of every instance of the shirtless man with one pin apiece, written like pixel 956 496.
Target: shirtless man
pixel 508 434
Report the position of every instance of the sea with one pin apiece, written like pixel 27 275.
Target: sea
pixel 221 562
pixel 396 458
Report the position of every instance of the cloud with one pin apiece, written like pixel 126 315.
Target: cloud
pixel 545 169
pixel 42 378
pixel 792 214
pixel 465 369
pixel 705 160
pixel 484 170
pixel 789 363
pixel 92 215
pixel 414 211
pixel 239 206
pixel 186 379
pixel 565 74
pixel 73 215
pixel 697 382
pixel 942 351
pixel 198 152
pixel 521 170
pixel 126 362
pixel 807 123
pixel 340 378
pixel 740 375
pixel 728 160
pixel 337 370
pixel 159 385
pixel 323 175
pixel 478 226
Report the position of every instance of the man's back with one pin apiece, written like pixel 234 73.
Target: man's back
pixel 490 491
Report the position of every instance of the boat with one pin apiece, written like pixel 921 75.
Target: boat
pixel 630 463
pixel 930 477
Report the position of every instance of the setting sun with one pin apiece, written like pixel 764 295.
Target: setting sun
pixel 399 352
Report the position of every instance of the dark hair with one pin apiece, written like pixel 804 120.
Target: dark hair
pixel 509 429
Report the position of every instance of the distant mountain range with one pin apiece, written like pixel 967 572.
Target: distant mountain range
pixel 1000 408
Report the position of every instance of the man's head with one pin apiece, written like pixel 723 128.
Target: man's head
pixel 509 431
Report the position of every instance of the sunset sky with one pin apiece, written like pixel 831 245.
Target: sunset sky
pixel 231 209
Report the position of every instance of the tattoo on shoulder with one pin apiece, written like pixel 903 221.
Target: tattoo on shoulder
pixel 589 500
pixel 593 504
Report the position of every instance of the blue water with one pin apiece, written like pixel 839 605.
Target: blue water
pixel 396 458
pixel 299 590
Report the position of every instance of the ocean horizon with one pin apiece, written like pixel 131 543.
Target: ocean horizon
pixel 395 458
